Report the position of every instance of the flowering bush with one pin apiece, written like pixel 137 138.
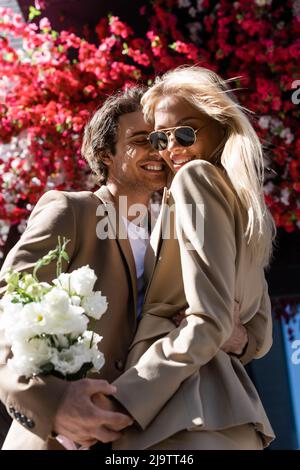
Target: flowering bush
pixel 51 84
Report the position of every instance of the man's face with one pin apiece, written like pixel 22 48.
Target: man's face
pixel 136 165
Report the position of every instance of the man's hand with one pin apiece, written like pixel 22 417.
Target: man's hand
pixel 81 420
pixel 109 404
pixel 239 337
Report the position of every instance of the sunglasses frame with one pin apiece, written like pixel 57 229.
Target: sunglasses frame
pixel 171 131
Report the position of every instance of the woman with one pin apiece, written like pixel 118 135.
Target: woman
pixel 181 388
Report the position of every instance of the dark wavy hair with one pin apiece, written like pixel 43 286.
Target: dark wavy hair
pixel 101 132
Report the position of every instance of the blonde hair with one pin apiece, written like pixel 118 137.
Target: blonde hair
pixel 240 151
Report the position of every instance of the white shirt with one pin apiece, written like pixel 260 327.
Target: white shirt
pixel 139 240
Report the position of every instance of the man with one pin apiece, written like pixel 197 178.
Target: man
pixel 43 406
pixel 117 149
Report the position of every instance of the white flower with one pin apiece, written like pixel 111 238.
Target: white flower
pixel 60 316
pixel 83 280
pixel 22 226
pixel 88 336
pixel 184 3
pixel 56 301
pixel 50 331
pixel 264 122
pixel 9 314
pixel 30 356
pixel 97 358
pixel 61 341
pixel 76 300
pixel 199 5
pixel 36 181
pixel 262 3
pixel 63 281
pixel 70 361
pixel 27 322
pixel 192 12
pixel 91 340
pixel 287 135
pixel 95 305
pixel 285 196
pixel 269 188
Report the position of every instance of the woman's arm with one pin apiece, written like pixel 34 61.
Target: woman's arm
pixel 208 253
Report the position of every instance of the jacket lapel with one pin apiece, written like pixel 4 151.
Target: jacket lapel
pixel 152 252
pixel 119 230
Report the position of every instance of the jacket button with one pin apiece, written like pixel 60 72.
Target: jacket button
pixel 119 365
pixel 30 423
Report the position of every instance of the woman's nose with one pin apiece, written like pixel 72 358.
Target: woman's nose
pixel 172 142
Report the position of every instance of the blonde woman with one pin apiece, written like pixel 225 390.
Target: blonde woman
pixel 182 389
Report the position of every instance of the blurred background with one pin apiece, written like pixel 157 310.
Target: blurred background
pixel 59 59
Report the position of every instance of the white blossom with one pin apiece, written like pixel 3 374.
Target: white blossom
pixel 30 356
pixel 262 3
pixel 285 196
pixel 60 316
pixel 269 188
pixel 95 305
pixel 264 122
pixel 46 324
pixel 82 281
pixel 287 135
pixel 70 361
pixel 63 281
pixel 36 181
pixel 184 3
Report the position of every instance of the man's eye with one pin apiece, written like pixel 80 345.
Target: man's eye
pixel 140 142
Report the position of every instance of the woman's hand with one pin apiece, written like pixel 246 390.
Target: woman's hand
pixel 238 339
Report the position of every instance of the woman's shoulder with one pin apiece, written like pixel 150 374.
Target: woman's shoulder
pixel 201 176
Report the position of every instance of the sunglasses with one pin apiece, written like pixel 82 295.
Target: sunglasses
pixel 184 136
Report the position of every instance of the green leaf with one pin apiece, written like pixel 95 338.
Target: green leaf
pixel 65 255
pixel 33 13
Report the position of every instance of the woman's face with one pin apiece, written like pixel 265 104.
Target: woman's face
pixel 172 112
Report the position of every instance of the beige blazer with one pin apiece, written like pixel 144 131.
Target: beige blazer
pixel 178 378
pixel 33 403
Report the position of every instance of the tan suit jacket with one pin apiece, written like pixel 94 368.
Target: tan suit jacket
pixel 33 403
pixel 178 378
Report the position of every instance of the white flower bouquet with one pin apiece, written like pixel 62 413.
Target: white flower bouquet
pixel 46 324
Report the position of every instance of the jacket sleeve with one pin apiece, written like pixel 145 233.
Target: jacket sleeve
pixel 206 233
pixel 259 330
pixel 34 401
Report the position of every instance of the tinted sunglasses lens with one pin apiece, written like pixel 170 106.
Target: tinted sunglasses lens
pixel 185 136
pixel 158 140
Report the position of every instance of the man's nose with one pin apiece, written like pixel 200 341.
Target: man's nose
pixel 154 153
